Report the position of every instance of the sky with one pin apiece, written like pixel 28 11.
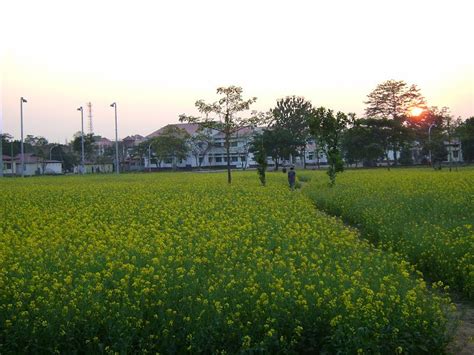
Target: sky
pixel 156 58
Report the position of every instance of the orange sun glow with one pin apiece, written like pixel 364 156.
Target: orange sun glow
pixel 416 111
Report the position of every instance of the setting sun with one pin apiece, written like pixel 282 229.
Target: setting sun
pixel 416 111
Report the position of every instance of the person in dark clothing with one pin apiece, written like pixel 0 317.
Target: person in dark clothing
pixel 292 177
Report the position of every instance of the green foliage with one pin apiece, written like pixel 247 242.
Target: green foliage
pixel 261 160
pixel 433 139
pixel 35 141
pixel 257 147
pixel 392 99
pixel 466 135
pixel 328 130
pixel 362 143
pixel 89 140
pixel 290 122
pixel 336 165
pixel 406 156
pixel 171 144
pixel 9 145
pixel 278 143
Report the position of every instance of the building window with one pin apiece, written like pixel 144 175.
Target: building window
pixel 218 159
pixel 310 156
pixel 234 159
pixel 456 154
pixel 225 159
pixel 243 158
pixel 167 161
pixel 234 144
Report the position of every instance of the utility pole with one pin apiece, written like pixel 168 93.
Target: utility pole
pixel 82 139
pixel 22 99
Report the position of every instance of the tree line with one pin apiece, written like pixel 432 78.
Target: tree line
pixel 396 119
pixel 69 154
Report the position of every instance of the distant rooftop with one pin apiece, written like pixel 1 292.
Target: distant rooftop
pixel 191 128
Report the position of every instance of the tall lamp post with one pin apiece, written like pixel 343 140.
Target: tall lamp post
pixel 429 140
pixel 114 105
pixel 22 100
pixel 82 139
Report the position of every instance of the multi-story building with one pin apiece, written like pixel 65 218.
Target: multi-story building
pixel 211 152
pixel 101 144
pixel 454 151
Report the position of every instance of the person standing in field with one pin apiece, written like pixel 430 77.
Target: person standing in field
pixel 292 177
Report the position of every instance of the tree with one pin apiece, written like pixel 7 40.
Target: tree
pixel 466 135
pixel 35 141
pixel 406 156
pixel 432 139
pixel 361 143
pixel 257 147
pixel 393 100
pixel 293 114
pixel 88 145
pixel 171 143
pixel 278 143
pixel 227 120
pixel 328 129
pixel 141 150
pixel 9 145
pixel 64 154
pixel 200 144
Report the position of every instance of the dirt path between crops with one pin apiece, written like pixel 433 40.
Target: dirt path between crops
pixel 463 340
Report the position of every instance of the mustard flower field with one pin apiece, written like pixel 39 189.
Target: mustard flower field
pixel 425 215
pixel 184 263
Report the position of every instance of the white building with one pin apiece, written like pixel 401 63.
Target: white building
pixel 35 165
pixel 454 151
pixel 8 165
pixel 211 154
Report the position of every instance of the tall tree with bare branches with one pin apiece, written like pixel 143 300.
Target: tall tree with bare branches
pixel 224 116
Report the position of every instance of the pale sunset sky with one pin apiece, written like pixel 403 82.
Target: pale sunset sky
pixel 156 58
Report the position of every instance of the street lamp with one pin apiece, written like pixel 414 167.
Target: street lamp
pixel 22 100
pixel 82 139
pixel 429 140
pixel 114 105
